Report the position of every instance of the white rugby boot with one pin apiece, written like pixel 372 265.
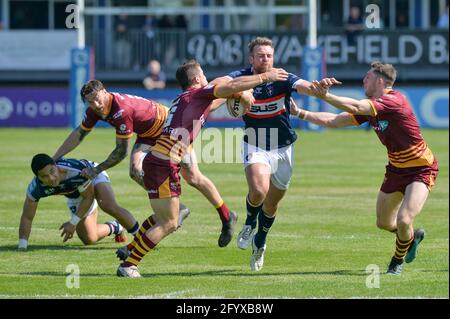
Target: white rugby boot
pixel 245 236
pixel 130 272
pixel 257 259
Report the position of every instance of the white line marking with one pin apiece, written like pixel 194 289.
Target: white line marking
pixel 169 295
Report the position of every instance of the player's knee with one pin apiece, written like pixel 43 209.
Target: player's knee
pixel 386 224
pixel 171 225
pixel 381 224
pixel 403 222
pixel 88 240
pixel 193 180
pixel 257 194
pixel 134 173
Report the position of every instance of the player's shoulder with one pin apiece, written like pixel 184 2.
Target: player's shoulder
pixel 205 92
pixel 34 189
pixel 293 77
pixel 241 72
pixel 72 163
pixel 34 184
pixel 120 100
pixel 392 98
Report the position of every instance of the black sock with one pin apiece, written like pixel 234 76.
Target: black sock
pixel 252 213
pixel 133 229
pixel 264 224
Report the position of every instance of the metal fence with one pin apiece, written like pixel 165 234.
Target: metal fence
pixel 417 55
pixel 131 50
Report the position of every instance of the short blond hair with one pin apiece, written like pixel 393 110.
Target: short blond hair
pixel 385 71
pixel 259 41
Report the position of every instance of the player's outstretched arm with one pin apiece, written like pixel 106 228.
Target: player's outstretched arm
pixel 325 119
pixel 347 104
pixel 116 156
pixel 305 87
pixel 26 220
pixel 71 142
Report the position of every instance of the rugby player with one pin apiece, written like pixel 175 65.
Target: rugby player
pixel 161 166
pixel 130 114
pixel 63 177
pixel 267 147
pixel 412 168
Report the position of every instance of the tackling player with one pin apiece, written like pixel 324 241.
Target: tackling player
pixel 161 166
pixel 130 114
pixel 412 168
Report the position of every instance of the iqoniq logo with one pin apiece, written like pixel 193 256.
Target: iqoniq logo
pixel 6 108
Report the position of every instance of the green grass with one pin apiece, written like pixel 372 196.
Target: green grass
pixel 322 241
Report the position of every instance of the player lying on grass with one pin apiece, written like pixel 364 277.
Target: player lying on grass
pixel 161 165
pixel 83 196
pixel 412 168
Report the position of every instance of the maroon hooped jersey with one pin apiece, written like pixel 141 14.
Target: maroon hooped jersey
pixel 130 114
pixel 397 128
pixel 186 117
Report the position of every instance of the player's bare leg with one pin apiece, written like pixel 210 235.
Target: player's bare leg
pixel 258 181
pixel 89 231
pixel 166 222
pixel 388 205
pixel 106 200
pixel 396 213
pixel 194 177
pixel 416 195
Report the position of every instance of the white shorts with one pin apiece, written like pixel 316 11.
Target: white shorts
pixel 279 160
pixel 73 203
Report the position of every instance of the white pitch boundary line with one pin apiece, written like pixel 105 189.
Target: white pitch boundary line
pixel 274 234
pixel 17 228
pixel 169 295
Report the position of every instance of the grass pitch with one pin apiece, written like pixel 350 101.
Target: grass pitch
pixel 321 243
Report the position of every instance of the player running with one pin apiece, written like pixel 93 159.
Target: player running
pixel 161 166
pixel 267 147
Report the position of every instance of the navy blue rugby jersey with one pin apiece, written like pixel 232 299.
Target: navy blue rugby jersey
pixel 268 120
pixel 71 186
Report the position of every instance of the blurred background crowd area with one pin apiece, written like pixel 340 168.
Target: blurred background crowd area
pixel 170 31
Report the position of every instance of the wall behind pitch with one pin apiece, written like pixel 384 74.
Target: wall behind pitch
pixel 50 107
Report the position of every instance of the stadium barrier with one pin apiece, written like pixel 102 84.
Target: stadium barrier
pixel 50 107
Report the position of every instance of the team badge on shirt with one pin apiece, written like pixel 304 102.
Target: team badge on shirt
pixel 123 128
pixel 382 125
